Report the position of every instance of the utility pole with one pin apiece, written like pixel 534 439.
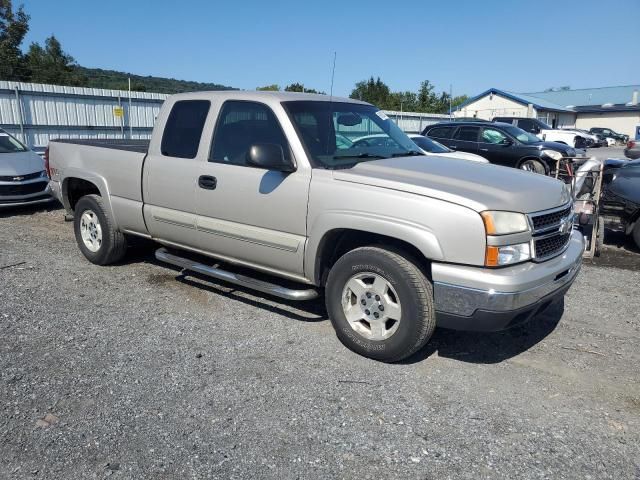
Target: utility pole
pixel 130 126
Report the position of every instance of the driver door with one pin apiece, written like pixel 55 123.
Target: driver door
pixel 247 214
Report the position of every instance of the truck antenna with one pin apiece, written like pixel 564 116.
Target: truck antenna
pixel 333 74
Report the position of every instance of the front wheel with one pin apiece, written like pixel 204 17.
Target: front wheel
pixel 636 233
pixel 96 236
pixel 532 165
pixel 380 304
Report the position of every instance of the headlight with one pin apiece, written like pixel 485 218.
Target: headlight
pixel 504 223
pixel 552 154
pixel 507 255
pixel 43 174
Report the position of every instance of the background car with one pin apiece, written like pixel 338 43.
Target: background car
pixel 502 144
pixel 23 179
pixel 608 133
pixel 593 140
pixel 431 147
pixel 545 132
pixel 620 203
pixel 632 150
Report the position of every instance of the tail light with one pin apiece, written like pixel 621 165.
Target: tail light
pixel 46 162
pixel 631 144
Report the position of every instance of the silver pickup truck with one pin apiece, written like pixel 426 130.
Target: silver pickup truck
pixel 397 241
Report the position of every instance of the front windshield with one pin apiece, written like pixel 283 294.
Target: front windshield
pixel 522 136
pixel 341 134
pixel 8 144
pixel 429 145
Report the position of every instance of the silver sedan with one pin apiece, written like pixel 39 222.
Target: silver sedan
pixel 23 180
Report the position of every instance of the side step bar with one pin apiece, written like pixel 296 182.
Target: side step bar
pixel 163 255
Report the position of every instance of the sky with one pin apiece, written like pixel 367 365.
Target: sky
pixel 520 46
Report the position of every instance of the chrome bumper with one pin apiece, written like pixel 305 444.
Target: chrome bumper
pixel 469 296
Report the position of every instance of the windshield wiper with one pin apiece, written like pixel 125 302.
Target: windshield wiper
pixel 410 153
pixel 361 155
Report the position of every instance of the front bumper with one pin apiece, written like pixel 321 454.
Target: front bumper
pixel 481 299
pixel 16 200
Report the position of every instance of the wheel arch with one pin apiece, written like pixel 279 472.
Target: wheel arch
pixel 338 241
pixel 75 185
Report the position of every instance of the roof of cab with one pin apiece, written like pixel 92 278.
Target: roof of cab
pixel 262 96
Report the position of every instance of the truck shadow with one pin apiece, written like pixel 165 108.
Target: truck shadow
pixel 491 347
pixel 470 347
pixel 24 210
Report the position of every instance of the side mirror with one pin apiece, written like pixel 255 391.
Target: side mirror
pixel 507 142
pixel 269 156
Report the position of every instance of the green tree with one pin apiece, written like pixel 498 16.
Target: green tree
pixel 13 27
pixel 269 88
pixel 374 91
pixel 299 87
pixel 52 65
pixel 294 87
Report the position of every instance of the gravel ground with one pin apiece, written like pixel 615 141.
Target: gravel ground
pixel 133 371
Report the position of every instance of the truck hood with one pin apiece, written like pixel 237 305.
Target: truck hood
pixel 474 185
pixel 20 163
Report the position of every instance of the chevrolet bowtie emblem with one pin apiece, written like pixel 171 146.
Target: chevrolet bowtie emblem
pixel 18 179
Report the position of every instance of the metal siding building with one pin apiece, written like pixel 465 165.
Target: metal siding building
pixel 35 113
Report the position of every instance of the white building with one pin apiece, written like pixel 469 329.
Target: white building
pixel 616 108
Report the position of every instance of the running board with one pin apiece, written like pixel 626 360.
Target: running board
pixel 163 255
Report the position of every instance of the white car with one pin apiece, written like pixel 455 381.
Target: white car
pixel 430 147
pixel 424 144
pixel 545 133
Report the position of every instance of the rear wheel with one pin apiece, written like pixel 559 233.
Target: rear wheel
pixel 380 304
pixel 533 165
pixel 96 236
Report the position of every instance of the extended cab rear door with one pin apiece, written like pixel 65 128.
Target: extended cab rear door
pixel 176 152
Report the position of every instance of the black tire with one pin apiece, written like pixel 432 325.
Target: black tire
pixel 533 165
pixel 414 291
pixel 113 245
pixel 636 233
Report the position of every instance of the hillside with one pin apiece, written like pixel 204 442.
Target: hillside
pixel 98 78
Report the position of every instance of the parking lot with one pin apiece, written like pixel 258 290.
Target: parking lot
pixel 135 371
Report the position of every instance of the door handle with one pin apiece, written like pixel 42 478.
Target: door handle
pixel 207 182
pixel 453 147
pixel 484 149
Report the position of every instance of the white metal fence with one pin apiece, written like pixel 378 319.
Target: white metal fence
pixel 34 113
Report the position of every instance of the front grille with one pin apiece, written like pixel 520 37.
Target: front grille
pixel 22 189
pixel 12 178
pixel 548 220
pixel 549 246
pixel 551 232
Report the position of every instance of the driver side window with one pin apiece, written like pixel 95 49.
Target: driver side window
pixel 242 124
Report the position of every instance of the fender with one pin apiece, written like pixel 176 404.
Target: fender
pixel 419 236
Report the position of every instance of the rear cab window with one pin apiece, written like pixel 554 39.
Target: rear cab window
pixel 183 130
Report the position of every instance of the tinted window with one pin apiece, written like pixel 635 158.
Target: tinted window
pixel 440 132
pixel 243 124
pixel 467 134
pixel 491 135
pixel 183 130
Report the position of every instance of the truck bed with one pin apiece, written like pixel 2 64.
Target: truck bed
pixel 139 146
